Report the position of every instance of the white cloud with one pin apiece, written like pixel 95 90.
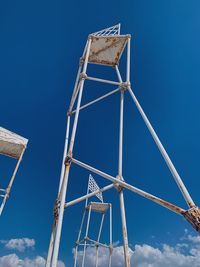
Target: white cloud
pixel 117 256
pixel 148 256
pixel 195 239
pixel 19 244
pixel 184 254
pixel 12 260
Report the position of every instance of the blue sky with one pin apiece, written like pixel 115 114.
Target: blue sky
pixel 41 43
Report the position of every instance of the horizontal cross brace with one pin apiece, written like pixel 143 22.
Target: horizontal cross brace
pixel 89 245
pixel 102 80
pixel 98 243
pixel 3 190
pixel 95 243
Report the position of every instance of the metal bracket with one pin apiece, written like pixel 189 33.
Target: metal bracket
pixel 124 86
pixel 83 76
pixel 7 192
pixel 56 209
pixel 68 160
pixel 193 217
pixel 111 249
pixel 69 113
pixel 81 61
pixel 86 238
pixel 117 186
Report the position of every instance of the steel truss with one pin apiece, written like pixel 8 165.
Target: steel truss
pixel 105 48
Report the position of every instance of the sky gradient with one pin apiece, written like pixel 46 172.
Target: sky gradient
pixel 41 43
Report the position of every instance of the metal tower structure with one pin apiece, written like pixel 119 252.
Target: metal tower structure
pixel 96 207
pixel 11 145
pixel 106 48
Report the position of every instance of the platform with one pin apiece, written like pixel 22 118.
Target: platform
pixel 11 144
pixel 98 207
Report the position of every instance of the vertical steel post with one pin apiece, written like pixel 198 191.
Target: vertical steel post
pixel 121 193
pixel 78 239
pixel 76 89
pixel 98 239
pixel 51 243
pixel 110 247
pixel 7 191
pixel 63 190
pixel 64 152
pixel 51 246
pixel 86 235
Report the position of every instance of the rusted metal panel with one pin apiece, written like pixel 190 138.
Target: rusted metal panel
pixel 107 50
pixel 11 144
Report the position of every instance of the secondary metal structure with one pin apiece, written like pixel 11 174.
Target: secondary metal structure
pixel 96 207
pixel 106 48
pixel 11 145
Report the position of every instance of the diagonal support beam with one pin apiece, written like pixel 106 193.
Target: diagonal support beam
pixel 97 100
pixel 132 188
pixel 163 152
pixel 75 201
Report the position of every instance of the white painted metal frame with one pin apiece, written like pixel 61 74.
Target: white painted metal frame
pixel 192 214
pixel 11 140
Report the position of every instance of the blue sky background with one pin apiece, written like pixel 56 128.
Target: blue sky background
pixel 40 46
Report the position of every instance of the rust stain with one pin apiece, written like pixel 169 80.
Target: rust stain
pixel 193 217
pixel 110 42
pixel 167 204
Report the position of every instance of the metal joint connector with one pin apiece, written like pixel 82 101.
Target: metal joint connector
pixel 56 209
pixel 124 86
pixel 7 192
pixel 193 217
pixel 69 113
pixel 111 248
pixel 81 61
pixel 83 76
pixel 118 187
pixel 68 160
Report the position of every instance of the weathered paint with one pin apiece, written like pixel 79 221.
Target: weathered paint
pixel 107 50
pixel 193 217
pixel 11 144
